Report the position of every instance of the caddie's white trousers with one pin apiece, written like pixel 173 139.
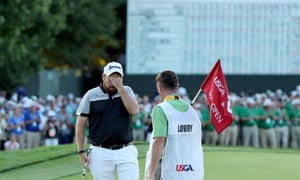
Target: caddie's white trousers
pixel 104 163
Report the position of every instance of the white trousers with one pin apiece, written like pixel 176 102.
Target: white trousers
pixel 104 163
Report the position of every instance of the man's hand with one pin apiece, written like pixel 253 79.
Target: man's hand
pixel 116 80
pixel 150 178
pixel 84 160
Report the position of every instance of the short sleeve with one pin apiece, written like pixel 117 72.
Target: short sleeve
pixel 84 106
pixel 159 122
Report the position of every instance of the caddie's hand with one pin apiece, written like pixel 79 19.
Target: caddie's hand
pixel 116 80
pixel 84 160
pixel 150 178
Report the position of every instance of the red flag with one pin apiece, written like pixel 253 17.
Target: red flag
pixel 216 91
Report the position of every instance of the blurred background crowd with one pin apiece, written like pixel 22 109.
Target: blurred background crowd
pixel 269 119
pixel 30 122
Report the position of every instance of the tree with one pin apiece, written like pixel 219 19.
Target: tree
pixel 35 34
pixel 90 27
pixel 27 28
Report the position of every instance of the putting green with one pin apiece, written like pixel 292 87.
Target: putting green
pixel 221 163
pixel 232 165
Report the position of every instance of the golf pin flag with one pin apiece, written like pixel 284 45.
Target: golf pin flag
pixel 216 91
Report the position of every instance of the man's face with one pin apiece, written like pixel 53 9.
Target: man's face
pixel 107 85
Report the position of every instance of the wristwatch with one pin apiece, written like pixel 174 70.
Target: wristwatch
pixel 81 151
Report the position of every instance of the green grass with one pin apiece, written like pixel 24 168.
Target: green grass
pixel 251 164
pixel 221 163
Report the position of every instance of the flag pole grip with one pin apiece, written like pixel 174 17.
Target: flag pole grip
pixel 196 96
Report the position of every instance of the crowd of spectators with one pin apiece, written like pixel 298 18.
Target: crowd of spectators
pixel 30 122
pixel 269 119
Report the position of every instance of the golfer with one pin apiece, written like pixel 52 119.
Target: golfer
pixel 108 109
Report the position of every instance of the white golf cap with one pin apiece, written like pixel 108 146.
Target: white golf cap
pixel 250 100
pixel 296 102
pixel 113 67
pixel 268 102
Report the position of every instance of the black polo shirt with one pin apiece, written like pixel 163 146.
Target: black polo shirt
pixel 109 121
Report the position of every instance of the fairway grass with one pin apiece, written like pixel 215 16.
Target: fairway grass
pixel 220 163
pixel 251 166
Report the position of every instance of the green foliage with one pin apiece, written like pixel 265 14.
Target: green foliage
pixel 90 26
pixel 27 28
pixel 35 34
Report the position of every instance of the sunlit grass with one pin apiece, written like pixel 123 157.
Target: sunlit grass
pixel 221 163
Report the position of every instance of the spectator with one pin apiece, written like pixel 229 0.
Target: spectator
pixel 138 125
pixel 148 128
pixel 231 133
pixel 16 125
pixel 249 125
pixel 12 144
pixel 148 123
pixel 295 124
pixel 21 93
pixel 3 128
pixel 32 121
pixel 51 130
pixel 197 107
pixel 281 124
pixel 147 106
pixel 183 94
pixel 266 125
pixel 210 135
pixel 66 128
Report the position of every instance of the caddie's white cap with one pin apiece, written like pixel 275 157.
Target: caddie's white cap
pixel 113 67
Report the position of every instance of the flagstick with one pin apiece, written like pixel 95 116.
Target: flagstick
pixel 196 96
